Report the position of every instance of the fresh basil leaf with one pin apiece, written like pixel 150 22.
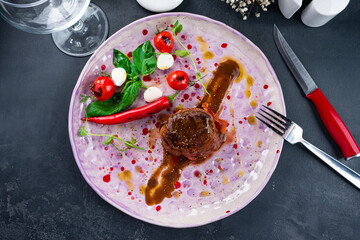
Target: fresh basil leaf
pixel 142 52
pixel 178 28
pixel 108 107
pixel 121 60
pixel 134 73
pixel 181 53
pixel 127 84
pixel 129 94
pixel 109 140
pixel 148 66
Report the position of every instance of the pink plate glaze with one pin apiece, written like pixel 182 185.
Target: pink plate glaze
pixel 228 181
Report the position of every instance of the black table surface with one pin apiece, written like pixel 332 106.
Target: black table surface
pixel 44 196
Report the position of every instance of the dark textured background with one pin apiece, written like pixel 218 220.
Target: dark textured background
pixel 43 195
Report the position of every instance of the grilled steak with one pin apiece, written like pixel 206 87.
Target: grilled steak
pixel 193 133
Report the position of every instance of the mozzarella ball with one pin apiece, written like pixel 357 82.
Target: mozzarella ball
pixel 118 75
pixel 165 61
pixel 152 94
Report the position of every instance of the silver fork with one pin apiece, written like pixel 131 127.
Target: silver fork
pixel 292 133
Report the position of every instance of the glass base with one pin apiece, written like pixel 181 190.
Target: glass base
pixel 83 38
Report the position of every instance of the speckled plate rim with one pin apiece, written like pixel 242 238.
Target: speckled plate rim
pixel 76 88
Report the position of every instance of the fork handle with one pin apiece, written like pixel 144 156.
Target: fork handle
pixel 343 170
pixel 334 125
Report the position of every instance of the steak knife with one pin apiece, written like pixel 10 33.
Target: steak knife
pixel 328 115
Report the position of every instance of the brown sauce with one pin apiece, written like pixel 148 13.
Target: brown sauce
pixel 162 182
pixel 170 170
pixel 224 76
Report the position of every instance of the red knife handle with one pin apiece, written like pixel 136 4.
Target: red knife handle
pixel 334 124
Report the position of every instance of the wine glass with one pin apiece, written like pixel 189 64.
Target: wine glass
pixel 78 27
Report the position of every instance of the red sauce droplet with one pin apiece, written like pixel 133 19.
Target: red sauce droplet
pixel 177 185
pixel 106 148
pixel 228 97
pixel 132 197
pixel 157 124
pixel 193 94
pixel 147 78
pixel 189 46
pixel 235 146
pixel 133 161
pixel 186 96
pixel 196 173
pixel 227 211
pixel 149 151
pixel 183 36
pixel 122 168
pixel 174 57
pixel 205 182
pixel 186 66
pixel 144 32
pixel 182 100
pixel 199 62
pixel 106 178
pixel 197 59
pixel 277 151
pixel 224 45
pixel 198 97
pixel 194 77
pixel 190 99
pixel 103 67
pixel 129 54
pixel 266 86
pixel 269 103
pixel 240 122
pixel 197 85
pixel 215 64
pixel 158 208
pixel 145 131
pixel 129 193
pixel 111 169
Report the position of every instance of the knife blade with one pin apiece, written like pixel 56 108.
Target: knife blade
pixel 328 115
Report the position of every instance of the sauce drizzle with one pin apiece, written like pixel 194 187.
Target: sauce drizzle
pixel 171 167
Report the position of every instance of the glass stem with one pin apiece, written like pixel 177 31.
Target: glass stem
pixel 78 26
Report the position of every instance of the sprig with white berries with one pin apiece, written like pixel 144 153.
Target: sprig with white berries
pixel 245 7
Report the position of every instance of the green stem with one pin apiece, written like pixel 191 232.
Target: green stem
pixel 142 84
pixel 192 60
pixel 127 144
pixel 171 98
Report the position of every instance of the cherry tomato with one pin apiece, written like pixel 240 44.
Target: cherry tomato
pixel 104 88
pixel 178 80
pixel 164 42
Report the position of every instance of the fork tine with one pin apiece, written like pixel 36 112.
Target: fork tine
pixel 278 114
pixel 269 126
pixel 272 121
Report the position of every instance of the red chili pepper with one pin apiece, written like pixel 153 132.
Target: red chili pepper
pixel 134 114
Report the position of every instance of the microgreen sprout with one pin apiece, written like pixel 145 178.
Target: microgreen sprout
pixel 183 53
pixel 110 139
